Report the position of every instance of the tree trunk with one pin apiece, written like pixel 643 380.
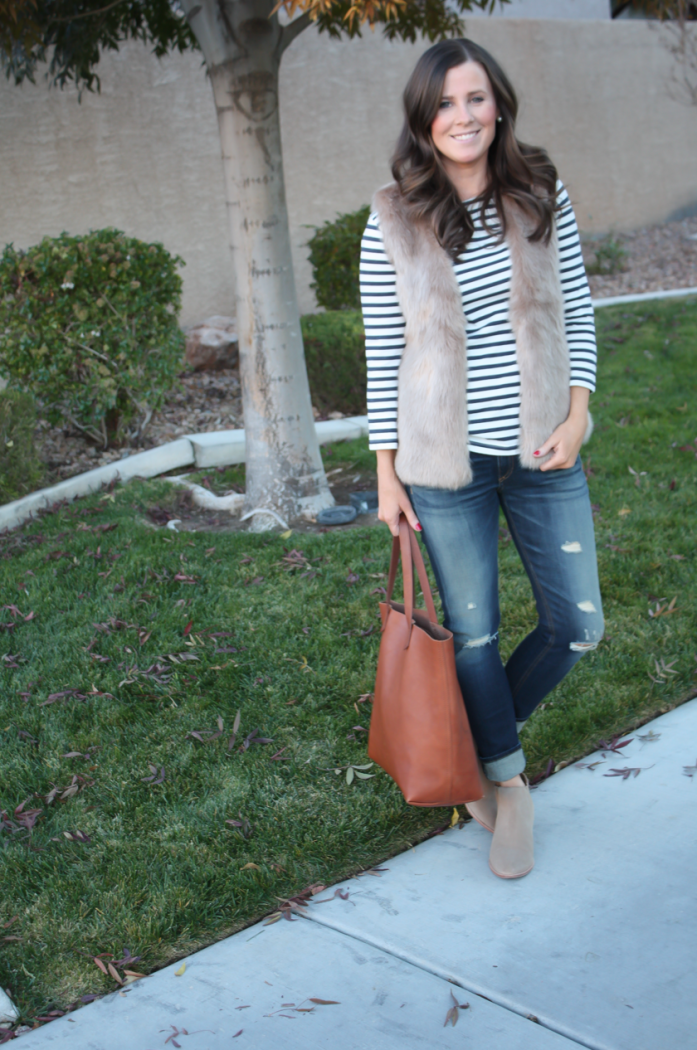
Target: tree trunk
pixel 242 44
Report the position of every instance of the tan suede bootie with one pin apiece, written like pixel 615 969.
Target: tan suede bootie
pixel 484 811
pixel 511 855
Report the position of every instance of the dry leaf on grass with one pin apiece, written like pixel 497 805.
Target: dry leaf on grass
pixel 243 824
pixel 77 836
pixel 155 778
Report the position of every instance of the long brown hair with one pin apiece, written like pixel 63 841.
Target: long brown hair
pixel 523 173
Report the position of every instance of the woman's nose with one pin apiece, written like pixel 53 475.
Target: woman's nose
pixel 463 114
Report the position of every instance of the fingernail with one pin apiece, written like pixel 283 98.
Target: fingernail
pixel 536 453
pixel 418 527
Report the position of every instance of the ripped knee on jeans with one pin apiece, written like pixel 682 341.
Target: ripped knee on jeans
pixel 582 647
pixel 477 643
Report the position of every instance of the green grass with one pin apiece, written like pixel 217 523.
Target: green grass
pixel 162 872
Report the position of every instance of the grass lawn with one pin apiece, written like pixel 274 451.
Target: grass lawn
pixel 126 652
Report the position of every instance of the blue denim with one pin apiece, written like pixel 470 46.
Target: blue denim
pixel 551 522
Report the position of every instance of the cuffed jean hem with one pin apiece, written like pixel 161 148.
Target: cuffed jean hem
pixel 519 725
pixel 507 767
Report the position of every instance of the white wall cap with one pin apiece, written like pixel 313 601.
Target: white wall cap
pixel 220 449
pixel 223 448
pixel 144 464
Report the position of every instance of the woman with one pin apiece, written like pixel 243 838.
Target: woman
pixel 480 341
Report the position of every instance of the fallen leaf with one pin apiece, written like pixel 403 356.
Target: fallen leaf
pixel 114 973
pixel 453 1013
pixel 181 970
pixel 626 772
pixel 455 818
pixel 324 1002
pixel 624 512
pixel 613 745
pixel 250 865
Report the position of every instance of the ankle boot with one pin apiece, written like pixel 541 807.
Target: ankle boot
pixel 511 854
pixel 484 811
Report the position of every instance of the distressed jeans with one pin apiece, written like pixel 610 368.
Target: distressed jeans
pixel 550 519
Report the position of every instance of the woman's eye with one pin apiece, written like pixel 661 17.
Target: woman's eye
pixel 477 98
pixel 444 102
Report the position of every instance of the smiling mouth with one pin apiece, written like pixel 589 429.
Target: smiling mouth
pixel 466 136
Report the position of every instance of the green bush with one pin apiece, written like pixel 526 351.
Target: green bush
pixel 335 255
pixel 20 469
pixel 610 257
pixel 89 325
pixel 335 355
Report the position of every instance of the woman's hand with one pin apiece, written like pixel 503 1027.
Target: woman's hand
pixel 565 443
pixel 392 499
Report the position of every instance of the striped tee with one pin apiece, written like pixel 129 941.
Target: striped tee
pixel 483 272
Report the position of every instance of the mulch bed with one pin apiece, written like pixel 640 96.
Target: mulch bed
pixel 659 257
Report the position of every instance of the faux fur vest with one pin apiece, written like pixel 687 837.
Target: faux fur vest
pixel 432 383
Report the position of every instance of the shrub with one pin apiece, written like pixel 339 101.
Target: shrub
pixel 335 255
pixel 610 257
pixel 20 470
pixel 335 355
pixel 89 325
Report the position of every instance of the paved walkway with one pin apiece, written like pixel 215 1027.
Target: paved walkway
pixel 595 948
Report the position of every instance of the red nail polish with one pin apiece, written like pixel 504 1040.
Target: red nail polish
pixel 536 453
pixel 418 527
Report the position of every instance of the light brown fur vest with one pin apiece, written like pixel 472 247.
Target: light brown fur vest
pixel 432 387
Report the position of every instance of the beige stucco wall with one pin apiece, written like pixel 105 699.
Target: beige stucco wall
pixel 144 155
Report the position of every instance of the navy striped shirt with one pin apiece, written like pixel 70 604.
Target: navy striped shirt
pixel 483 272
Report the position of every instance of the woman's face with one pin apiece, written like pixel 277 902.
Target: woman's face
pixel 465 125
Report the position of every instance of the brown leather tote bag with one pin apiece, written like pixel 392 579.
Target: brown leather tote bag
pixel 419 731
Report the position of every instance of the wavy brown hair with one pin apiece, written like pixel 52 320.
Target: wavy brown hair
pixel 523 173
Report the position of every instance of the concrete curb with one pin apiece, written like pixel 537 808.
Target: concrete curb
pixel 643 297
pixel 221 448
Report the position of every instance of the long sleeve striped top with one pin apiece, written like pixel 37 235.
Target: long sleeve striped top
pixel 483 272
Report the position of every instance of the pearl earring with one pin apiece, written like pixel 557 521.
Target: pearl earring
pixel 498 120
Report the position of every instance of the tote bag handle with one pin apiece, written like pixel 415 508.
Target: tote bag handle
pixel 407 544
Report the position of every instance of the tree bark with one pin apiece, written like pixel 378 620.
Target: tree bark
pixel 242 43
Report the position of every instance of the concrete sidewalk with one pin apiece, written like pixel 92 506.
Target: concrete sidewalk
pixel 594 948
